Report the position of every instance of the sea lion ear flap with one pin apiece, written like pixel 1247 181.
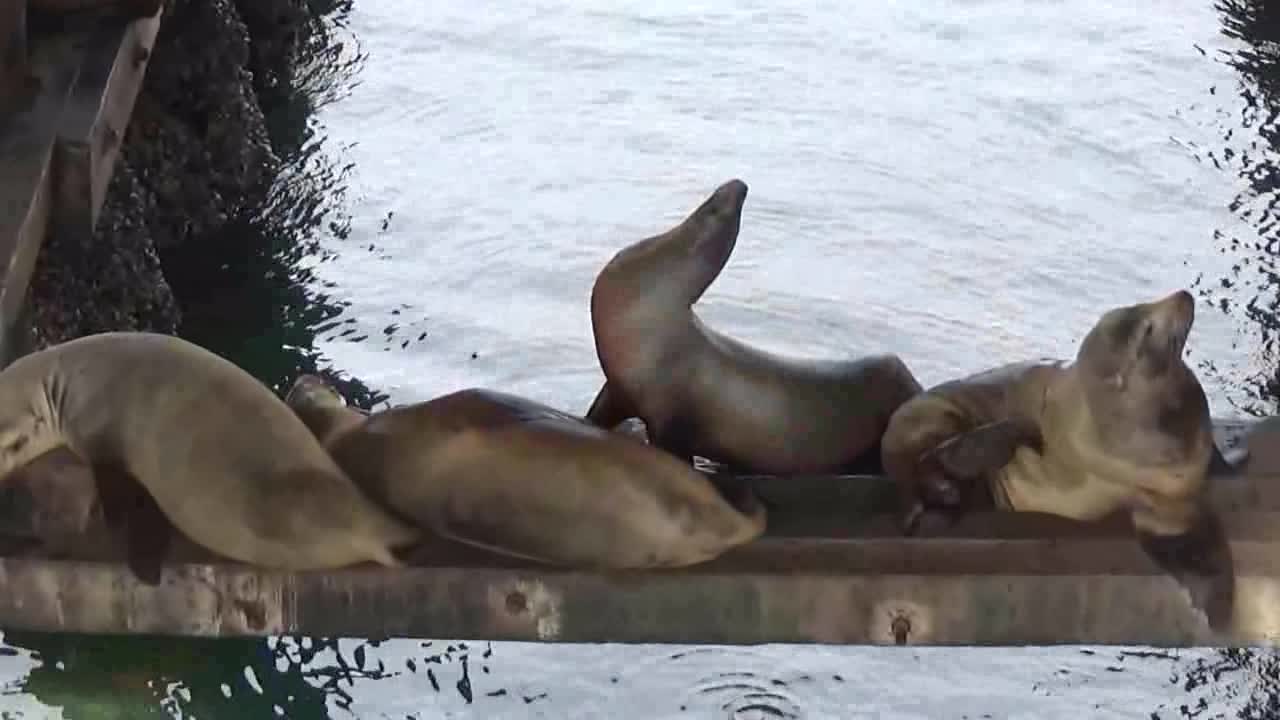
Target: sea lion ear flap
pixel 986 448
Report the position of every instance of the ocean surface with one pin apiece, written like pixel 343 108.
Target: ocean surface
pixel 963 183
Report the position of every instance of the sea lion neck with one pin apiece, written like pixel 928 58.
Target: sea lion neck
pixel 675 267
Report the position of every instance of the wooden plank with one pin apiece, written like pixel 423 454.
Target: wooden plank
pixel 27 138
pixel 94 121
pixel 978 592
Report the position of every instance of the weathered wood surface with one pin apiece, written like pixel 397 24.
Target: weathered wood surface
pixel 58 151
pixel 96 115
pixel 829 571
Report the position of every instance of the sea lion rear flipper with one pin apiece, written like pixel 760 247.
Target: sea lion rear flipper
pixel 986 448
pixel 609 408
pixel 130 509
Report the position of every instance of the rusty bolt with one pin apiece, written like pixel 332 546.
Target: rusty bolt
pixel 901 628
pixel 516 602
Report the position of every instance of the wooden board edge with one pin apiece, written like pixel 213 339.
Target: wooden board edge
pixel 92 129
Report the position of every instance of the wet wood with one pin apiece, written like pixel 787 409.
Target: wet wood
pixel 832 569
pixel 57 151
pixel 27 138
pixel 1040 591
pixel 96 116
pixel 13 42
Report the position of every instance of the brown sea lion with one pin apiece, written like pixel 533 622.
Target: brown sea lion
pixel 52 497
pixel 60 503
pixel 223 458
pixel 703 393
pixel 519 478
pixel 1125 428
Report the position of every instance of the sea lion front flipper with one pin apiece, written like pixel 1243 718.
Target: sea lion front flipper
pixel 130 509
pixel 986 448
pixel 609 408
pixel 1199 559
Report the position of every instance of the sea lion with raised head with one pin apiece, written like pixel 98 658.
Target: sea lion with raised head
pixel 1125 428
pixel 221 455
pixel 520 478
pixel 703 393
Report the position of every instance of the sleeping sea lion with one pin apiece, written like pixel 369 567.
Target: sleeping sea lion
pixel 516 477
pixel 223 458
pixel 703 393
pixel 60 504
pixel 1126 428
pixel 54 496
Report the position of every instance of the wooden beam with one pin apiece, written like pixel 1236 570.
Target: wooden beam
pixel 27 137
pixel 975 592
pixel 13 40
pixel 96 116
pixel 58 153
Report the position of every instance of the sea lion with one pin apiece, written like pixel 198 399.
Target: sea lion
pixel 1125 428
pixel 703 393
pixel 223 458
pixel 53 496
pixel 63 505
pixel 522 479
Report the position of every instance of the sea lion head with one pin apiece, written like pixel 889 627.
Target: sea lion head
pixel 678 265
pixel 1140 393
pixel 320 406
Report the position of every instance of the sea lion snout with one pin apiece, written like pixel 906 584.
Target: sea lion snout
pixel 1175 314
pixel 1164 331
pixel 312 390
pixel 716 225
pixel 730 196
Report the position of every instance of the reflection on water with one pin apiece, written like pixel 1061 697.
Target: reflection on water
pixel 254 295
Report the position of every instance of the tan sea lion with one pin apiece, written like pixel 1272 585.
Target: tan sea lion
pixel 1125 428
pixel 520 478
pixel 60 503
pixel 703 393
pixel 223 458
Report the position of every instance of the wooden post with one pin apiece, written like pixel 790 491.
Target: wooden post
pixel 96 116
pixel 27 138
pixel 58 153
